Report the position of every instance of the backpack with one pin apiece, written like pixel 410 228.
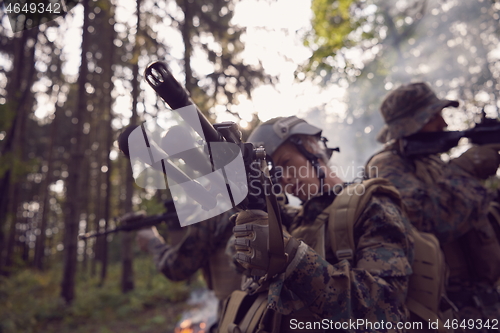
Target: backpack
pixel 426 288
pixel 248 313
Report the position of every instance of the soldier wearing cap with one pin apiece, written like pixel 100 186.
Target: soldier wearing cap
pixel 446 199
pixel 316 284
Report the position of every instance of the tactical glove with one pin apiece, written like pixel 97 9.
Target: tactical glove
pixel 480 161
pixel 251 243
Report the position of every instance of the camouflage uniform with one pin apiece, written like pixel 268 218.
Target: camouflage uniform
pixel 443 199
pixel 203 246
pixel 316 287
pixel 373 288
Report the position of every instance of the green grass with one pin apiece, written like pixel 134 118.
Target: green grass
pixel 30 302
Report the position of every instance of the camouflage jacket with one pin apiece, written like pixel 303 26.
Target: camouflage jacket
pixel 439 197
pixel 373 287
pixel 445 200
pixel 202 247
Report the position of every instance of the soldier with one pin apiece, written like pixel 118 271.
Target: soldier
pixel 318 286
pixel 446 199
pixel 202 246
pixel 197 246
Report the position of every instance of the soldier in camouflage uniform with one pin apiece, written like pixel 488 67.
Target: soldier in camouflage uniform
pixel 317 285
pixel 198 246
pixel 203 247
pixel 446 199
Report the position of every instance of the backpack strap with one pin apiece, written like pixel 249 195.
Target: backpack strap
pixel 243 313
pixel 231 310
pixel 346 210
pixel 254 315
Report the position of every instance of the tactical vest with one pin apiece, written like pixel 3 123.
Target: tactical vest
pixel 426 285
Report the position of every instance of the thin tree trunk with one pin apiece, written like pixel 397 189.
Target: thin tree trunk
pixel 20 90
pixel 127 280
pixel 108 88
pixel 186 28
pixel 74 179
pixel 40 240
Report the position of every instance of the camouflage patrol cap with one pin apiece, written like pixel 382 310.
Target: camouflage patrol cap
pixel 274 132
pixel 408 108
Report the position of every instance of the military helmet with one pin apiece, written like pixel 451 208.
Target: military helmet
pixel 407 109
pixel 273 133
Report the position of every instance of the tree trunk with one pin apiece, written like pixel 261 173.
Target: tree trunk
pixel 74 178
pixel 186 27
pixel 18 92
pixel 127 281
pixel 40 240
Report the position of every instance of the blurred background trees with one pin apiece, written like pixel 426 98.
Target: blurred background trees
pixel 370 47
pixel 60 171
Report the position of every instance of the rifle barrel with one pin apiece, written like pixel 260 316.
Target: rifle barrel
pixel 148 221
pixel 173 93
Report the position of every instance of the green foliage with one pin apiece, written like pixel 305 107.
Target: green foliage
pixel 332 23
pixel 31 303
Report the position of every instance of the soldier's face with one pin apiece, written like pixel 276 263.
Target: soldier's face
pixel 298 175
pixel 435 124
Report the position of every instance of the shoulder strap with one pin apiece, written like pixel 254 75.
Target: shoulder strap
pixel 230 311
pixel 254 315
pixel 346 210
pixel 245 313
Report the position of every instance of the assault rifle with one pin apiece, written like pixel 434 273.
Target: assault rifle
pixel 426 143
pixel 254 158
pixel 260 195
pixel 139 221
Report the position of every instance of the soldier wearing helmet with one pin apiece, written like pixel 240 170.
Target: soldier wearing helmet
pixel 318 284
pixel 446 199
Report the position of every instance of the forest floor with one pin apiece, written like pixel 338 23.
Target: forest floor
pixel 30 302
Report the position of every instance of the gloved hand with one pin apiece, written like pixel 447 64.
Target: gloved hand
pixel 145 235
pixel 251 242
pixel 480 161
